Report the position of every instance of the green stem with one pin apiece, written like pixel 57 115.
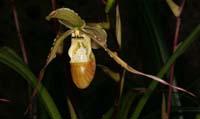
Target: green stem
pixel 109 5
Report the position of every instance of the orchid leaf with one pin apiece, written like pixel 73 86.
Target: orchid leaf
pixel 126 104
pixel 112 74
pixel 122 80
pixel 108 114
pixel 12 60
pixel 67 17
pixel 197 116
pixel 109 5
pixel 179 51
pixel 71 109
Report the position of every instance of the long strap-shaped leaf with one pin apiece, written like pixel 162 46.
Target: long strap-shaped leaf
pixel 129 68
pixel 11 59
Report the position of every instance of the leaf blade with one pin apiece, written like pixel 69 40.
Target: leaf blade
pixel 185 44
pixel 11 59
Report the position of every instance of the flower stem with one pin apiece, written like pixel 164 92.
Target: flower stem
pixel 17 25
pixel 175 42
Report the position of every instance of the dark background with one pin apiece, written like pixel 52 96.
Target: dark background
pixel 38 36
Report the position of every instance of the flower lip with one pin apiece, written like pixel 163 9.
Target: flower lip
pixel 80 49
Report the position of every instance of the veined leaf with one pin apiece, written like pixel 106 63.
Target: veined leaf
pixel 67 17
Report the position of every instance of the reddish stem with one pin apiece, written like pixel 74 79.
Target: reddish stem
pixel 41 74
pixel 4 100
pixel 39 79
pixel 53 2
pixel 175 42
pixel 103 1
pixel 21 41
pixel 19 32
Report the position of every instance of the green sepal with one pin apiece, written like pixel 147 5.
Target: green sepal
pixel 67 17
pixel 97 32
pixel 56 46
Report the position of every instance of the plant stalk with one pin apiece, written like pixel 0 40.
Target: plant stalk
pixel 17 25
pixel 53 3
pixel 175 42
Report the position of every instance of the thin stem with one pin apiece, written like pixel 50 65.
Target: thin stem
pixel 169 100
pixel 4 100
pixel 17 25
pixel 175 42
pixel 118 96
pixel 172 67
pixel 53 2
pixel 32 101
pixel 21 41
pixel 103 2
